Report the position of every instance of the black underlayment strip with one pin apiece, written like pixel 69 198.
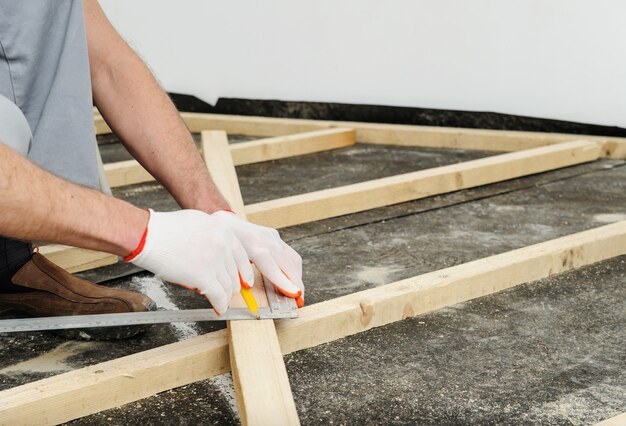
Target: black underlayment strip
pixel 390 114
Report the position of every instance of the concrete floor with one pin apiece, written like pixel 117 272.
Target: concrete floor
pixel 550 352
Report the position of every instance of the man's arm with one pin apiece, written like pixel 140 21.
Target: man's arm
pixel 38 206
pixel 142 115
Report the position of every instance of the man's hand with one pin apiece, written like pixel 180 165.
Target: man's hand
pixel 278 262
pixel 193 249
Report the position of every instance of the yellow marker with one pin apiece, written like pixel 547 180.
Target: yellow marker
pixel 248 297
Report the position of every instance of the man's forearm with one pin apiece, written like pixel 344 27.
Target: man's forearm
pixel 38 206
pixel 142 115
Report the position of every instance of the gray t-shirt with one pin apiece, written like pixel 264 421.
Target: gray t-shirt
pixel 44 70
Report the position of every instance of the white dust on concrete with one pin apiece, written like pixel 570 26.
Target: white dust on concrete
pixel 140 189
pixel 609 217
pixel 375 274
pixel 155 289
pixel 602 400
pixel 54 361
pixel 224 384
pixel 507 208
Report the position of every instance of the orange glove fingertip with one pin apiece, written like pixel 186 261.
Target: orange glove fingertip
pixel 243 283
pixel 288 294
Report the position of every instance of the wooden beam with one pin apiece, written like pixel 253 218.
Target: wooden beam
pixel 123 173
pixel 333 202
pixel 74 259
pixel 251 126
pixel 259 374
pixel 102 128
pixel 615 149
pixel 353 198
pixel 113 383
pixel 357 197
pixel 391 134
pixel 131 172
pixel 291 145
pixel 354 313
pixel 399 134
pixel 219 161
pixel 619 420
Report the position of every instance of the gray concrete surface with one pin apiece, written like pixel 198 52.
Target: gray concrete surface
pixel 550 352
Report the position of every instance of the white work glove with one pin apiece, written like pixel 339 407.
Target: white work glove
pixel 278 262
pixel 192 249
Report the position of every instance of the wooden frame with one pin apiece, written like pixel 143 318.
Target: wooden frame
pixel 317 135
pixel 532 153
pixel 113 383
pixel 368 195
pixel 74 259
pixel 130 172
pixel 619 420
pixel 140 375
pixel 259 374
pixel 391 134
pixel 400 134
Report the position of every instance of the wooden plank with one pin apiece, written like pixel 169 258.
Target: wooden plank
pixel 391 134
pixel 102 128
pixel 131 172
pixel 250 126
pixel 354 313
pixel 398 134
pixel 395 189
pixel 357 197
pixel 113 383
pixel 125 173
pixel 219 161
pixel 110 384
pixel 259 374
pixel 291 145
pixel 74 259
pixel 619 420
pixel 614 149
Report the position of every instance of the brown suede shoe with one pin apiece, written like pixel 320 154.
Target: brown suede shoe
pixel 56 292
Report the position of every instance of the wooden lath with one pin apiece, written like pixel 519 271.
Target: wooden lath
pixel 401 134
pixel 74 259
pixel 539 152
pixel 391 134
pixel 113 383
pixel 376 193
pixel 324 204
pixel 619 420
pixel 130 172
pixel 259 374
pixel 141 375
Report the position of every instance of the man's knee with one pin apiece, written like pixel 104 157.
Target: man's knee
pixel 14 129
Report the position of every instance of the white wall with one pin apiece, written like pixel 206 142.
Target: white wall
pixel 563 59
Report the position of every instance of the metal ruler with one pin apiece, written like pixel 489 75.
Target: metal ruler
pixel 279 307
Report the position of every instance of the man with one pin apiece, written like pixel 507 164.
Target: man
pixel 53 56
